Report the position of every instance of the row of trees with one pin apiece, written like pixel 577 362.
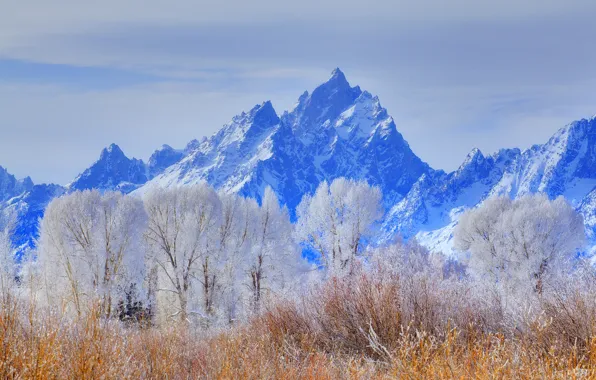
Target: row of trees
pixel 194 253
pixel 191 252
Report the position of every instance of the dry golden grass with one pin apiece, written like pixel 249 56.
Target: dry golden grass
pixel 352 330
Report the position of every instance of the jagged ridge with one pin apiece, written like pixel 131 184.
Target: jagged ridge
pixel 337 131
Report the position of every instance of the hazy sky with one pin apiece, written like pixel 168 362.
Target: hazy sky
pixel 78 75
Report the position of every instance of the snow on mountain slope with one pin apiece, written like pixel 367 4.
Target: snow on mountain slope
pixel 436 201
pixel 227 160
pixel 10 186
pixel 28 201
pixel 564 166
pixel 30 206
pixel 113 171
pixel 336 131
pixel 588 209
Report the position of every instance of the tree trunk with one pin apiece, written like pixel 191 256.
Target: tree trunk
pixel 257 276
pixel 208 288
pixel 183 306
pixel 539 277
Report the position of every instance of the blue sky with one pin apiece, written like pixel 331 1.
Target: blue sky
pixel 76 76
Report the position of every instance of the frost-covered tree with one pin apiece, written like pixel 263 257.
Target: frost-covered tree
pixel 182 236
pixel 427 291
pixel 235 236
pixel 406 259
pixel 516 243
pixel 336 221
pixel 8 270
pixel 90 247
pixel 122 221
pixel 217 255
pixel 272 255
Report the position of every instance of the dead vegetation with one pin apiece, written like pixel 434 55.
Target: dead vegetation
pixel 363 327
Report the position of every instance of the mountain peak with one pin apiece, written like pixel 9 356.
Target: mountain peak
pixel 112 150
pixel 267 105
pixel 338 75
pixel 337 80
pixel 162 158
pixel 473 161
pixel 10 186
pixel 111 171
pixel 474 155
pixel 581 127
pixel 326 102
pixel 26 182
pixel 265 114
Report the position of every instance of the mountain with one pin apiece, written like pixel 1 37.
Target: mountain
pixel 28 202
pixel 336 131
pixel 163 158
pixel 10 186
pixel 113 171
pixel 30 206
pixel 563 166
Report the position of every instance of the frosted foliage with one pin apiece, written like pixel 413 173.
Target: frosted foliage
pixel 191 254
pixel 218 256
pixel 181 235
pixel 91 246
pixel 234 235
pixel 7 260
pixel 406 259
pixel 336 221
pixel 273 259
pixel 523 244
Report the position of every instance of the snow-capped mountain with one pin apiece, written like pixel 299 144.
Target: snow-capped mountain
pixel 337 131
pixel 113 171
pixel 28 201
pixel 163 158
pixel 564 166
pixel 10 186
pixel 30 206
